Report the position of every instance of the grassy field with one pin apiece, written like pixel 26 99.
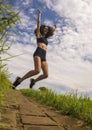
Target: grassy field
pixel 68 104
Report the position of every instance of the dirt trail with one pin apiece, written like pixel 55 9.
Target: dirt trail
pixel 20 113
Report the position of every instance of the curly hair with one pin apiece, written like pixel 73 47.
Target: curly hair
pixel 49 33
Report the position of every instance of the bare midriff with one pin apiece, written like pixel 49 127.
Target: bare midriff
pixel 42 45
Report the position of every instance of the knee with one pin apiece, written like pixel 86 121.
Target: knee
pixel 37 71
pixel 45 75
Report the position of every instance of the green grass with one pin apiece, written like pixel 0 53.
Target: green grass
pixel 68 104
pixel 5 85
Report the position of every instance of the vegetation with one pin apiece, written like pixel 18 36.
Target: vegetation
pixel 8 18
pixel 68 104
pixel 5 84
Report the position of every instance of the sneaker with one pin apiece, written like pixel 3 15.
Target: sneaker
pixel 13 87
pixel 16 83
pixel 32 82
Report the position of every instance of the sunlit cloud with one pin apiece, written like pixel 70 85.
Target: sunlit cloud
pixel 69 51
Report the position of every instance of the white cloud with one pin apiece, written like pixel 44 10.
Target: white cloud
pixel 70 50
pixel 74 45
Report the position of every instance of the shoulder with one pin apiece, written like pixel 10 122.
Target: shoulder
pixel 37 33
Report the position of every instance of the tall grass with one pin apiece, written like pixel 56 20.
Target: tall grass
pixel 5 84
pixel 69 104
pixel 8 18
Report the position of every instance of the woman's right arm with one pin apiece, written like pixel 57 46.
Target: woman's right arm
pixel 38 24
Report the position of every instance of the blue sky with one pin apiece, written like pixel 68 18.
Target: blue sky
pixel 69 52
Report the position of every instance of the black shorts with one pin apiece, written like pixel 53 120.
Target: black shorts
pixel 41 53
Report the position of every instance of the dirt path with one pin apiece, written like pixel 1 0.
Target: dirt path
pixel 18 113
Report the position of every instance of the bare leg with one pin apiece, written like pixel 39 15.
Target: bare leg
pixel 44 66
pixel 37 69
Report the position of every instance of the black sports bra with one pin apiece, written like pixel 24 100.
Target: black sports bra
pixel 42 40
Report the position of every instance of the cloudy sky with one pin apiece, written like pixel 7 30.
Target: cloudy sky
pixel 69 52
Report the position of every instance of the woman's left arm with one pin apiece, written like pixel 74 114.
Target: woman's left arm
pixel 54 28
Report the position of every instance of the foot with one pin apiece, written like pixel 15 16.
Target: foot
pixel 16 83
pixel 32 82
pixel 13 87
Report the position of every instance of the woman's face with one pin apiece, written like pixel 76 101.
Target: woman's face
pixel 45 29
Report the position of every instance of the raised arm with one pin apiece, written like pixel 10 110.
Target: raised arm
pixel 38 24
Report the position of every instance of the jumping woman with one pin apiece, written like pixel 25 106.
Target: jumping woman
pixel 42 33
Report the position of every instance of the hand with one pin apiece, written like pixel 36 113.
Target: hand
pixel 55 26
pixel 39 11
